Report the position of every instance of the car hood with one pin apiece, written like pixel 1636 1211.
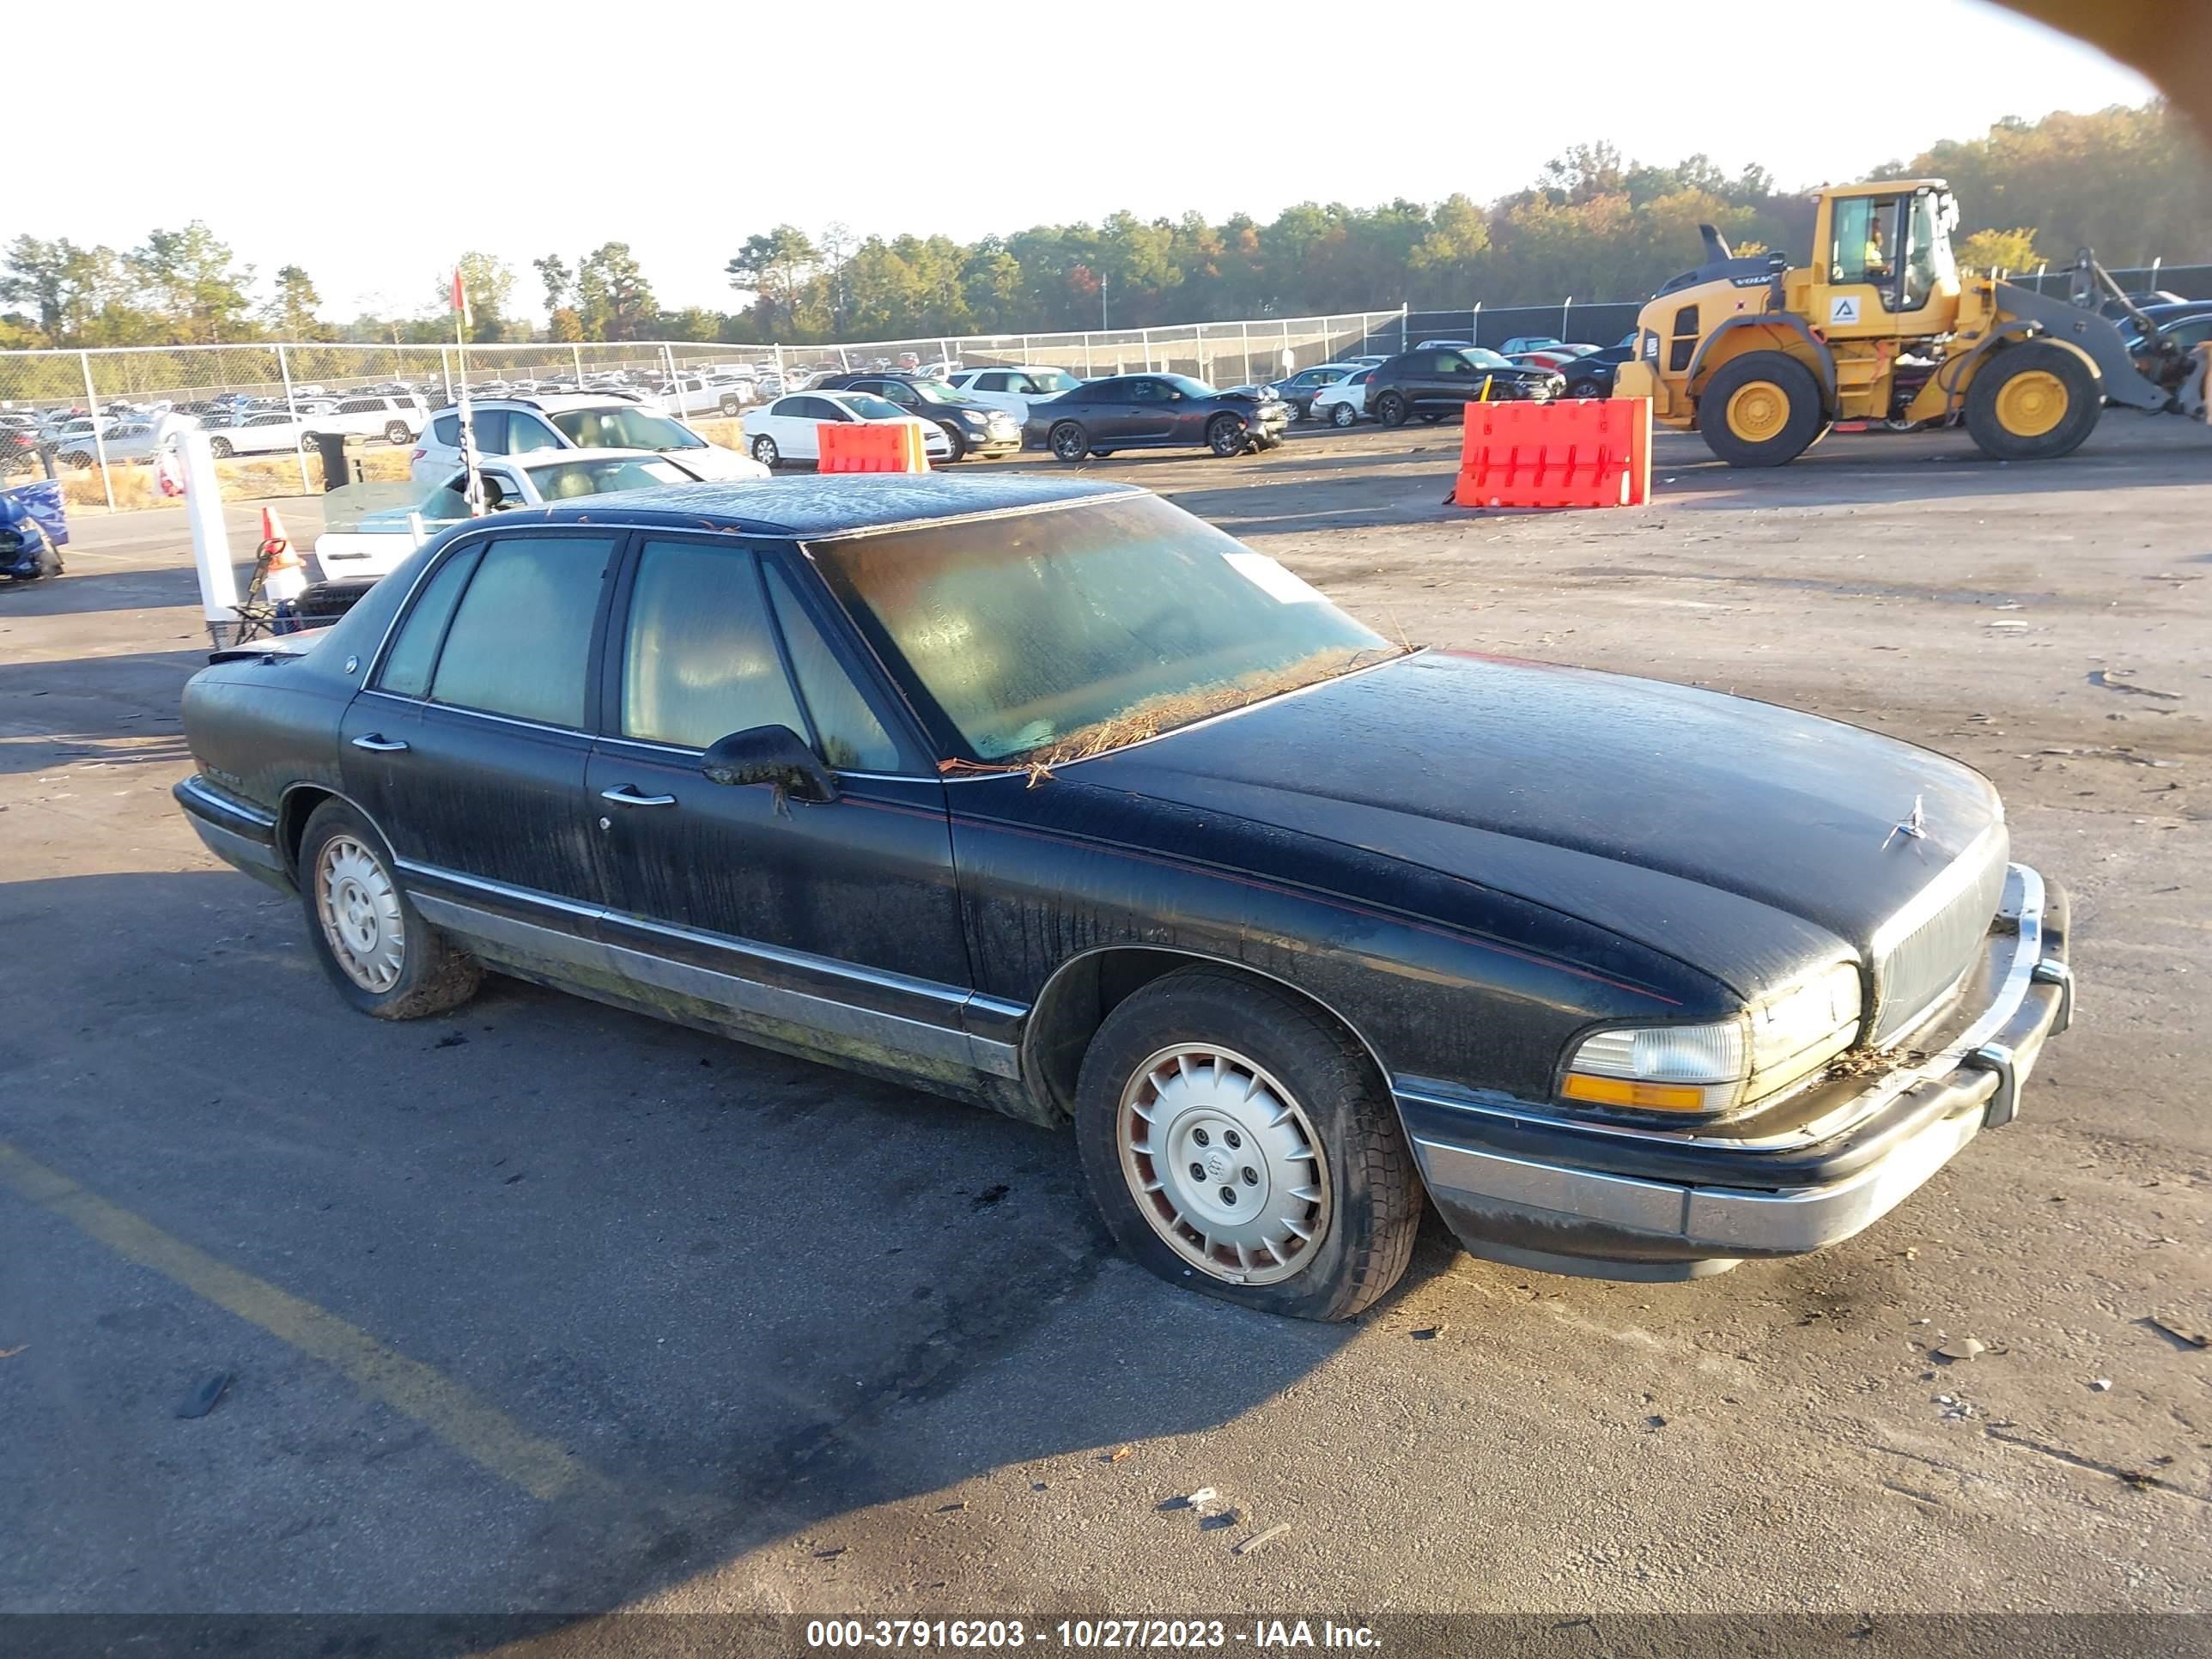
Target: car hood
pixel 1743 838
pixel 716 465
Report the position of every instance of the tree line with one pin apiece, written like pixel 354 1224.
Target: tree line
pixel 2131 182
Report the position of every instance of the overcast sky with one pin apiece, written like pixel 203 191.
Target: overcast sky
pixel 371 145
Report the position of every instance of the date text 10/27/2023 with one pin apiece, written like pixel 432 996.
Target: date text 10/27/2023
pixel 1259 1636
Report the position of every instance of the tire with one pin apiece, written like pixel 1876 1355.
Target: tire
pixel 1100 455
pixel 1392 409
pixel 81 460
pixel 1068 441
pixel 1762 408
pixel 959 451
pixel 766 453
pixel 2032 402
pixel 384 958
pixel 220 449
pixel 1226 435
pixel 397 434
pixel 731 406
pixel 1585 389
pixel 1357 1193
pixel 1341 414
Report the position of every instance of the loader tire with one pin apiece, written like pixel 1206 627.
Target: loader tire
pixel 2032 402
pixel 1762 408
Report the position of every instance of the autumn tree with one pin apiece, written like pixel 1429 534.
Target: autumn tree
pixel 614 301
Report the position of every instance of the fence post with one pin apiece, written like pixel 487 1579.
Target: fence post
pixel 1144 334
pixel 2155 264
pixel 99 442
pixel 1247 330
pixel 1199 348
pixel 291 407
pixel 446 373
pixel 2039 270
pixel 1403 305
pixel 1086 353
pixel 1562 317
pixel 1474 324
pixel 576 361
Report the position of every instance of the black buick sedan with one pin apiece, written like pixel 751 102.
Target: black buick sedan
pixel 1157 411
pixel 1051 796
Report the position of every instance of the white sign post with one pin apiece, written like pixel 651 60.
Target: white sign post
pixel 211 537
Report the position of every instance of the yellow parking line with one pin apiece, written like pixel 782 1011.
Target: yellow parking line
pixel 478 1430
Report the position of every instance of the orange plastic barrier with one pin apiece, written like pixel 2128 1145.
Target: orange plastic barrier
pixel 876 446
pixel 1585 452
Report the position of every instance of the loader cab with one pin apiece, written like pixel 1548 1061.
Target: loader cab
pixel 1882 264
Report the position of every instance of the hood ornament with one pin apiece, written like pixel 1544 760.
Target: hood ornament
pixel 1913 825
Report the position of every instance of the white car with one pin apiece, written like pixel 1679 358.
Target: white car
pixel 258 433
pixel 123 440
pixel 515 426
pixel 698 394
pixel 787 429
pixel 1013 387
pixel 1344 402
pixel 396 420
pixel 376 524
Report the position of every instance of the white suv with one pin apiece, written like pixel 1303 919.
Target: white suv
pixel 515 426
pixel 396 420
pixel 1012 386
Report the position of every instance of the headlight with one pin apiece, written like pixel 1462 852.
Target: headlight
pixel 1705 1069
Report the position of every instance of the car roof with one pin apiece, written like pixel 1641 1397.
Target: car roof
pixel 814 507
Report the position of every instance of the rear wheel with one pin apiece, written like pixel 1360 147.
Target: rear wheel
pixel 395 434
pixel 731 406
pixel 2031 402
pixel 1343 414
pixel 1586 389
pixel 1226 435
pixel 1068 441
pixel 1762 408
pixel 384 958
pixel 765 452
pixel 1391 409
pixel 1240 1144
pixel 219 449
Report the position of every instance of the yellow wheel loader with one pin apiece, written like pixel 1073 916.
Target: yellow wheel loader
pixel 1762 357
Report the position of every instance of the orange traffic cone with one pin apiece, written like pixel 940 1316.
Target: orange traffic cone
pixel 284 574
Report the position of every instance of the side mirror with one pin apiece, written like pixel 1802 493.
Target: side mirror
pixel 772 755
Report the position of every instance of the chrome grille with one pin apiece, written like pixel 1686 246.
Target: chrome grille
pixel 1922 952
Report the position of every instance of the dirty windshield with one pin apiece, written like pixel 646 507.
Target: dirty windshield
pixel 1047 636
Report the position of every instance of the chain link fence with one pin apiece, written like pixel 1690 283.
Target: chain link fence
pixel 89 416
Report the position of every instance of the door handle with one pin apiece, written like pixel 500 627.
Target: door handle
pixel 376 743
pixel 626 795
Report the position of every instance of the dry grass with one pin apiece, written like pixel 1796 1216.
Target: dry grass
pixel 248 478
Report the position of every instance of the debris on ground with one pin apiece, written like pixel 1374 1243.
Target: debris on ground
pixel 953 1508
pixel 1431 1333
pixel 1961 1347
pixel 831 1553
pixel 1191 1500
pixel 451 1040
pixel 1219 1519
pixel 2112 680
pixel 2179 1331
pixel 1259 1538
pixel 200 1399
pixel 1116 1455
pixel 988 1196
pixel 2101 1385
pixel 10 1354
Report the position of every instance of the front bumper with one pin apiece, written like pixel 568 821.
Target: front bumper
pixel 1585 1198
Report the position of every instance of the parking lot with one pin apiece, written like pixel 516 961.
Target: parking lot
pixel 543 1306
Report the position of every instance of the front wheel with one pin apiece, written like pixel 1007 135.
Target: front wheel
pixel 765 452
pixel 1391 409
pixel 1343 414
pixel 1586 389
pixel 2032 402
pixel 958 451
pixel 1241 1143
pixel 731 406
pixel 1068 441
pixel 1762 408
pixel 1226 435
pixel 219 449
pixel 384 958
pixel 395 434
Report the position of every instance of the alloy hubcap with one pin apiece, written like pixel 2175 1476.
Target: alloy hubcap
pixel 1223 1164
pixel 360 912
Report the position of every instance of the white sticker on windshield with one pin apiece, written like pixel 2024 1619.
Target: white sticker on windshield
pixel 1271 578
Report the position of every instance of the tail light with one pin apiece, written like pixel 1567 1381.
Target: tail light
pixel 415 455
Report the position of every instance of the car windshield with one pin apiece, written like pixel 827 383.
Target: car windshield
pixel 1188 387
pixel 624 427
pixel 936 392
pixel 868 406
pixel 1484 357
pixel 560 481
pixel 1052 635
pixel 1054 380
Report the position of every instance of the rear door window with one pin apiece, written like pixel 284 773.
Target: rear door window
pixel 521 641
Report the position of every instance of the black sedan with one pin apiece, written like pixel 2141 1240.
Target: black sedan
pixel 1155 411
pixel 1048 796
pixel 974 427
pixel 1432 382
pixel 1590 376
